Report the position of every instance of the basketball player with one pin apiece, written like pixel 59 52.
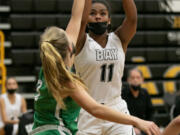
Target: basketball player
pixel 100 61
pixel 58 88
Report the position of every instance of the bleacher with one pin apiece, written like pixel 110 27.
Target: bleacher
pixel 155 49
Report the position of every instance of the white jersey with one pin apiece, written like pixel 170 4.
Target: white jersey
pixel 13 111
pixel 101 69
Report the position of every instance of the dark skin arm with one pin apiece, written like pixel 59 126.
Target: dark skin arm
pixel 128 28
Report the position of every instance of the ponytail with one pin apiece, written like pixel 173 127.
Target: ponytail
pixel 56 75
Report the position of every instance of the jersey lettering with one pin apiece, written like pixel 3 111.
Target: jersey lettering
pixel 106 54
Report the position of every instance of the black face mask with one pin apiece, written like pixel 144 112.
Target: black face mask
pixel 135 87
pixel 98 28
pixel 11 91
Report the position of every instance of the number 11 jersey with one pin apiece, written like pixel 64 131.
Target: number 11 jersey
pixel 101 69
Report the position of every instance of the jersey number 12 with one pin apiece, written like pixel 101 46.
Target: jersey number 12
pixel 107 69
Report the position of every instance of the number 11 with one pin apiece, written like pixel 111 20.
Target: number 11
pixel 110 68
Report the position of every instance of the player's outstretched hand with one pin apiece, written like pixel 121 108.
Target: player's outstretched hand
pixel 148 127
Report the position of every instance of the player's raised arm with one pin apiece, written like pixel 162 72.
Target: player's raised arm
pixel 74 24
pixel 128 28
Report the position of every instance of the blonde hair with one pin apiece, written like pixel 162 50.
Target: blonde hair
pixel 53 49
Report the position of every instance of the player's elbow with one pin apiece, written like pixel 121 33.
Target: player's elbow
pixel 132 19
pixel 134 24
pixel 97 111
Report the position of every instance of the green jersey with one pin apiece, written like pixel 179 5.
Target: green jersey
pixel 47 111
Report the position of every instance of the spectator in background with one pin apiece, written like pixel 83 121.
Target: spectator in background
pixel 137 98
pixel 12 106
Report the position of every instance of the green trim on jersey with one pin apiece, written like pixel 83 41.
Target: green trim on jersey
pixel 48 112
